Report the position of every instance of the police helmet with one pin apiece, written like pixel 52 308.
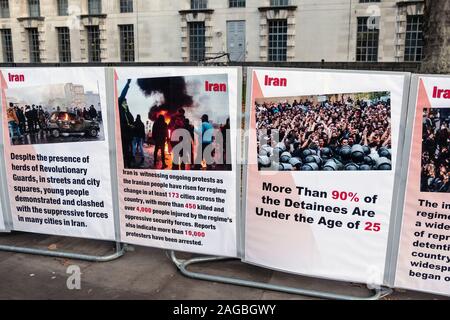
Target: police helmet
pixel 326 153
pixel 351 167
pixel 346 153
pixel 285 167
pixel 264 161
pixel 311 166
pixel 384 152
pixel 366 150
pixel 357 153
pixel 384 164
pixel 285 157
pixel 296 163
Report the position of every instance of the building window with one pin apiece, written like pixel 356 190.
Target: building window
pixel 367 41
pixel 199 4
pixel 414 39
pixel 368 1
pixel 4 8
pixel 126 42
pixel 8 56
pixel 33 43
pixel 63 7
pixel 197 41
pixel 94 51
pixel 237 3
pixel 278 3
pixel 34 9
pixel 64 44
pixel 126 6
pixel 94 6
pixel 278 40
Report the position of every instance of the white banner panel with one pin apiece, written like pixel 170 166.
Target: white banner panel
pixel 424 255
pixel 56 151
pixel 322 156
pixel 171 199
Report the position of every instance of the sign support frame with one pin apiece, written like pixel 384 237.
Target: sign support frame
pixel 182 266
pixel 119 251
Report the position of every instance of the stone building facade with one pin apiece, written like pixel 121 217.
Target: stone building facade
pixel 194 30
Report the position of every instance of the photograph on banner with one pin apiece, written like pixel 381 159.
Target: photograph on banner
pixel 174 106
pixel 57 152
pixel 435 150
pixel 300 217
pixel 424 250
pixel 56 113
pixel 176 146
pixel 330 132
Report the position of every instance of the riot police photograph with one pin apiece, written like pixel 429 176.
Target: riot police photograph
pixel 435 150
pixel 175 123
pixel 332 132
pixel 57 113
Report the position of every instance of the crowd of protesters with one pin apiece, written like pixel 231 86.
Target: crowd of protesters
pixel 163 133
pixel 26 119
pixel 346 134
pixel 33 119
pixel 435 151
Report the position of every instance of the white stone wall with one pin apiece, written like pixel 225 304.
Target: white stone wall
pixel 318 29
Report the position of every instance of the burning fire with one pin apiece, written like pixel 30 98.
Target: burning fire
pixel 167 119
pixel 166 116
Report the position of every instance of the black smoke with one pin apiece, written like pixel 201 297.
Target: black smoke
pixel 174 91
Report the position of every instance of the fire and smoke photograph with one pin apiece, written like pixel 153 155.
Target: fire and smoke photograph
pixel 175 123
pixel 435 150
pixel 57 113
pixel 331 132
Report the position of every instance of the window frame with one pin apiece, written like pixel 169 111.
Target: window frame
pixel 197 41
pixel 94 7
pixel 277 41
pixel 34 8
pixel 126 6
pixel 7 45
pixel 127 54
pixel 4 9
pixel 34 45
pixel 94 48
pixel 237 3
pixel 367 41
pixel 199 4
pixel 64 50
pixel 62 7
pixel 414 52
pixel 279 3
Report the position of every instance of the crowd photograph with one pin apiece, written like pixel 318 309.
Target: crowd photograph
pixel 58 114
pixel 334 132
pixel 435 150
pixel 173 123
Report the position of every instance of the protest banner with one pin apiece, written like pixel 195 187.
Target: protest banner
pixel 177 157
pixel 56 151
pixel 424 249
pixel 323 154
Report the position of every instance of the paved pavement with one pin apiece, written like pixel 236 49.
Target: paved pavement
pixel 142 273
